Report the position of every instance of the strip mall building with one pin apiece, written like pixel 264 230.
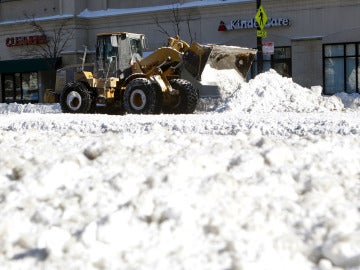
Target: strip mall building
pixel 316 42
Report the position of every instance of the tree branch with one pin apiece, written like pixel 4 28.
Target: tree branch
pixel 161 28
pixel 176 21
pixel 57 39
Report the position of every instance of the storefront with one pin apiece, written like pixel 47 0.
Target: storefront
pixel 314 42
pixel 22 80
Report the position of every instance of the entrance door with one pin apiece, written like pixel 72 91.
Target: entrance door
pixel 8 88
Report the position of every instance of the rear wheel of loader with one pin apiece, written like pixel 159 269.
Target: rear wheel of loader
pixel 75 98
pixel 142 97
pixel 187 99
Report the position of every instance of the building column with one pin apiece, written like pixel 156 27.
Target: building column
pixel 61 8
pixel 307 61
pixel 105 4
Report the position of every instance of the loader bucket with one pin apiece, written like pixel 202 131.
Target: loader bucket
pixel 218 57
pixel 231 57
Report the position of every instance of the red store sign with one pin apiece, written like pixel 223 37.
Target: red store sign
pixel 27 40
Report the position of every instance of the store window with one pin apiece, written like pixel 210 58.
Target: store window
pixel 341 68
pixel 20 87
pixel 279 61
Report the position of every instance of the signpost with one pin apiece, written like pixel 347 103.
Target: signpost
pixel 261 18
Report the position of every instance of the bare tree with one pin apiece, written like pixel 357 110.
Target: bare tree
pixel 192 38
pixel 161 29
pixel 176 21
pixel 56 40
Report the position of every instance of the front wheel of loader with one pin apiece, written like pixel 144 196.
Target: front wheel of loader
pixel 187 100
pixel 142 97
pixel 75 98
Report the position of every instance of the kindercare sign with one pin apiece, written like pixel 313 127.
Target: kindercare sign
pixel 252 23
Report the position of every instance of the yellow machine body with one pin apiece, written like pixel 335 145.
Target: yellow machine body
pixel 120 61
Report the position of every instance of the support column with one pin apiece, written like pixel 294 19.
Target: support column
pixel 307 61
pixel 105 5
pixel 61 8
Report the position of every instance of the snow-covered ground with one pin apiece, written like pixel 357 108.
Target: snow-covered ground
pixel 265 179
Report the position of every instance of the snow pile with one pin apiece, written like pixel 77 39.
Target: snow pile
pixel 243 189
pixel 351 101
pixel 268 92
pixel 134 201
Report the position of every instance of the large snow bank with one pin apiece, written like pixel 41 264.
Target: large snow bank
pixel 270 92
pixel 260 188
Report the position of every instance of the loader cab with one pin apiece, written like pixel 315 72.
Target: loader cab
pixel 116 52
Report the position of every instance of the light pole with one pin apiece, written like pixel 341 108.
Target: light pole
pixel 259 45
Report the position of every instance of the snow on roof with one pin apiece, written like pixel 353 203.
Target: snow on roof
pixel 115 12
pixel 48 18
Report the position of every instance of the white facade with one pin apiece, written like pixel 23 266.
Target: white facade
pixel 306 34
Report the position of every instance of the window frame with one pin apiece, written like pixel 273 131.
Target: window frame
pixel 346 58
pixel 20 96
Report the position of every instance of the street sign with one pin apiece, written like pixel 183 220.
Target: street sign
pixel 268 47
pixel 261 17
pixel 261 33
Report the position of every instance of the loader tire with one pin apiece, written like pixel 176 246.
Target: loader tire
pixel 187 100
pixel 76 98
pixel 142 97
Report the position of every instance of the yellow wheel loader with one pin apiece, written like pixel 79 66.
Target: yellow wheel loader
pixel 167 80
